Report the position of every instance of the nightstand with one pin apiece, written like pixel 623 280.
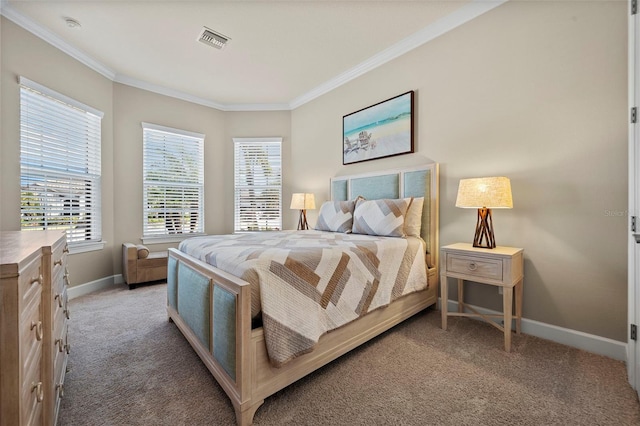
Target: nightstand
pixel 501 266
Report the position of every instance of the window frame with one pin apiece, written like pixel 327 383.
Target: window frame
pixel 181 136
pixel 80 178
pixel 237 142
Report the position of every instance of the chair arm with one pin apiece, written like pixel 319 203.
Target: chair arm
pixel 129 263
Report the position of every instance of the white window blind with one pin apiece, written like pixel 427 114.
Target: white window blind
pixel 258 184
pixel 173 181
pixel 60 172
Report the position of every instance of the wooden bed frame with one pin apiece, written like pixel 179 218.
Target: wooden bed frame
pixel 253 378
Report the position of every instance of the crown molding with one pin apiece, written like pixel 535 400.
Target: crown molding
pixel 258 107
pixel 428 33
pixel 461 16
pixel 19 19
pixel 161 90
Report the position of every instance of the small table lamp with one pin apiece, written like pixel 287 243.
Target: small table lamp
pixel 485 194
pixel 303 202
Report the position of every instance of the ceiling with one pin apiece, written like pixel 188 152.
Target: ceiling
pixel 281 53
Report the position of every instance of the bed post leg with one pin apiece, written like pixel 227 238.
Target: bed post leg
pixel 244 417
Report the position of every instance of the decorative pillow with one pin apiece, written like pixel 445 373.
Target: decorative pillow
pixel 381 217
pixel 143 252
pixel 413 220
pixel 336 216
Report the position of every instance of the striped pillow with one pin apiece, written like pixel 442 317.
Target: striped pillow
pixel 381 217
pixel 336 216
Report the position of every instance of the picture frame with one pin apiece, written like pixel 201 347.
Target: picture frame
pixel 381 130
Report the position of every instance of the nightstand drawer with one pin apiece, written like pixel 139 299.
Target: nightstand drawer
pixel 475 266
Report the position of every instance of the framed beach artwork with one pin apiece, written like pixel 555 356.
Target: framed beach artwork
pixel 381 130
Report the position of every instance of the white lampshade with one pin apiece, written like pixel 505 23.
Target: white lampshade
pixel 300 201
pixel 489 192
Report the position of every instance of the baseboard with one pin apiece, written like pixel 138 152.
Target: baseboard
pixel 90 287
pixel 577 339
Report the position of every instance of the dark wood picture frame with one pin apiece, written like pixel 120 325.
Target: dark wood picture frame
pixel 381 130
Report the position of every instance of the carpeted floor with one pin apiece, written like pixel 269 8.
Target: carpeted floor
pixel 130 366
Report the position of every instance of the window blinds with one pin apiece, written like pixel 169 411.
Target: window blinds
pixel 258 184
pixel 60 171
pixel 173 181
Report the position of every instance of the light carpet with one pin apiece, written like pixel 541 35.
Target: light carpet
pixel 130 366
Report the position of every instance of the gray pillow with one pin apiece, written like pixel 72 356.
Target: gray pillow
pixel 336 216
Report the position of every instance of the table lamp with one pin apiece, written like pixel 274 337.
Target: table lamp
pixel 303 202
pixel 485 194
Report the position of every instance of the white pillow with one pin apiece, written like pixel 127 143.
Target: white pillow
pixel 336 216
pixel 413 219
pixel 383 217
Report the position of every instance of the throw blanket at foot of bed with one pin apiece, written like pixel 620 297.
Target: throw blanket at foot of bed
pixel 307 283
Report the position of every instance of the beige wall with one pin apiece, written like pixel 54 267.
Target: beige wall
pixel 535 91
pixel 133 106
pixel 24 54
pixel 125 108
pixel 260 124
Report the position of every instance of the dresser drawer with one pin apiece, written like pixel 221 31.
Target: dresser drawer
pixel 59 257
pixel 30 280
pixel 60 303
pixel 62 354
pixel 474 266
pixel 31 335
pixel 62 351
pixel 32 395
pixel 58 282
pixel 60 316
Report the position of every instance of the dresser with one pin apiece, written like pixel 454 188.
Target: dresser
pixel 33 326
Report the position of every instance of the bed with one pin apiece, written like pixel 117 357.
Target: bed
pixel 214 291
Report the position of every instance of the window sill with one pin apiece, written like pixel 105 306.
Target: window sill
pixel 75 248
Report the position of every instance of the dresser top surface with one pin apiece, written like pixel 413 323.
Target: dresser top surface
pixel 17 247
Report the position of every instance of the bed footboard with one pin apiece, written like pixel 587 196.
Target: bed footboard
pixel 212 309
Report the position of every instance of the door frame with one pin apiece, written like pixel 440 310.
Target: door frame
pixel 633 267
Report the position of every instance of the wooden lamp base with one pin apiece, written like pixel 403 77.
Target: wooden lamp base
pixel 484 237
pixel 302 221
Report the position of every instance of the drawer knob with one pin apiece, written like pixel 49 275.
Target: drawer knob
pixel 37 387
pixel 472 266
pixel 58 343
pixel 60 390
pixel 57 262
pixel 67 313
pixel 65 249
pixel 66 276
pixel 38 327
pixel 38 279
pixel 58 297
pixel 67 348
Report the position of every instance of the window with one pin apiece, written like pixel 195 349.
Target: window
pixel 173 182
pixel 60 173
pixel 258 184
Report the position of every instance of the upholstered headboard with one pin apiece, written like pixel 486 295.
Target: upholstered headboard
pixel 399 183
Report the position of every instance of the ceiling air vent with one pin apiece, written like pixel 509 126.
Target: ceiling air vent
pixel 212 38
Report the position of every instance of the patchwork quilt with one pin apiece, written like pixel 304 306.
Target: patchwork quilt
pixel 306 283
